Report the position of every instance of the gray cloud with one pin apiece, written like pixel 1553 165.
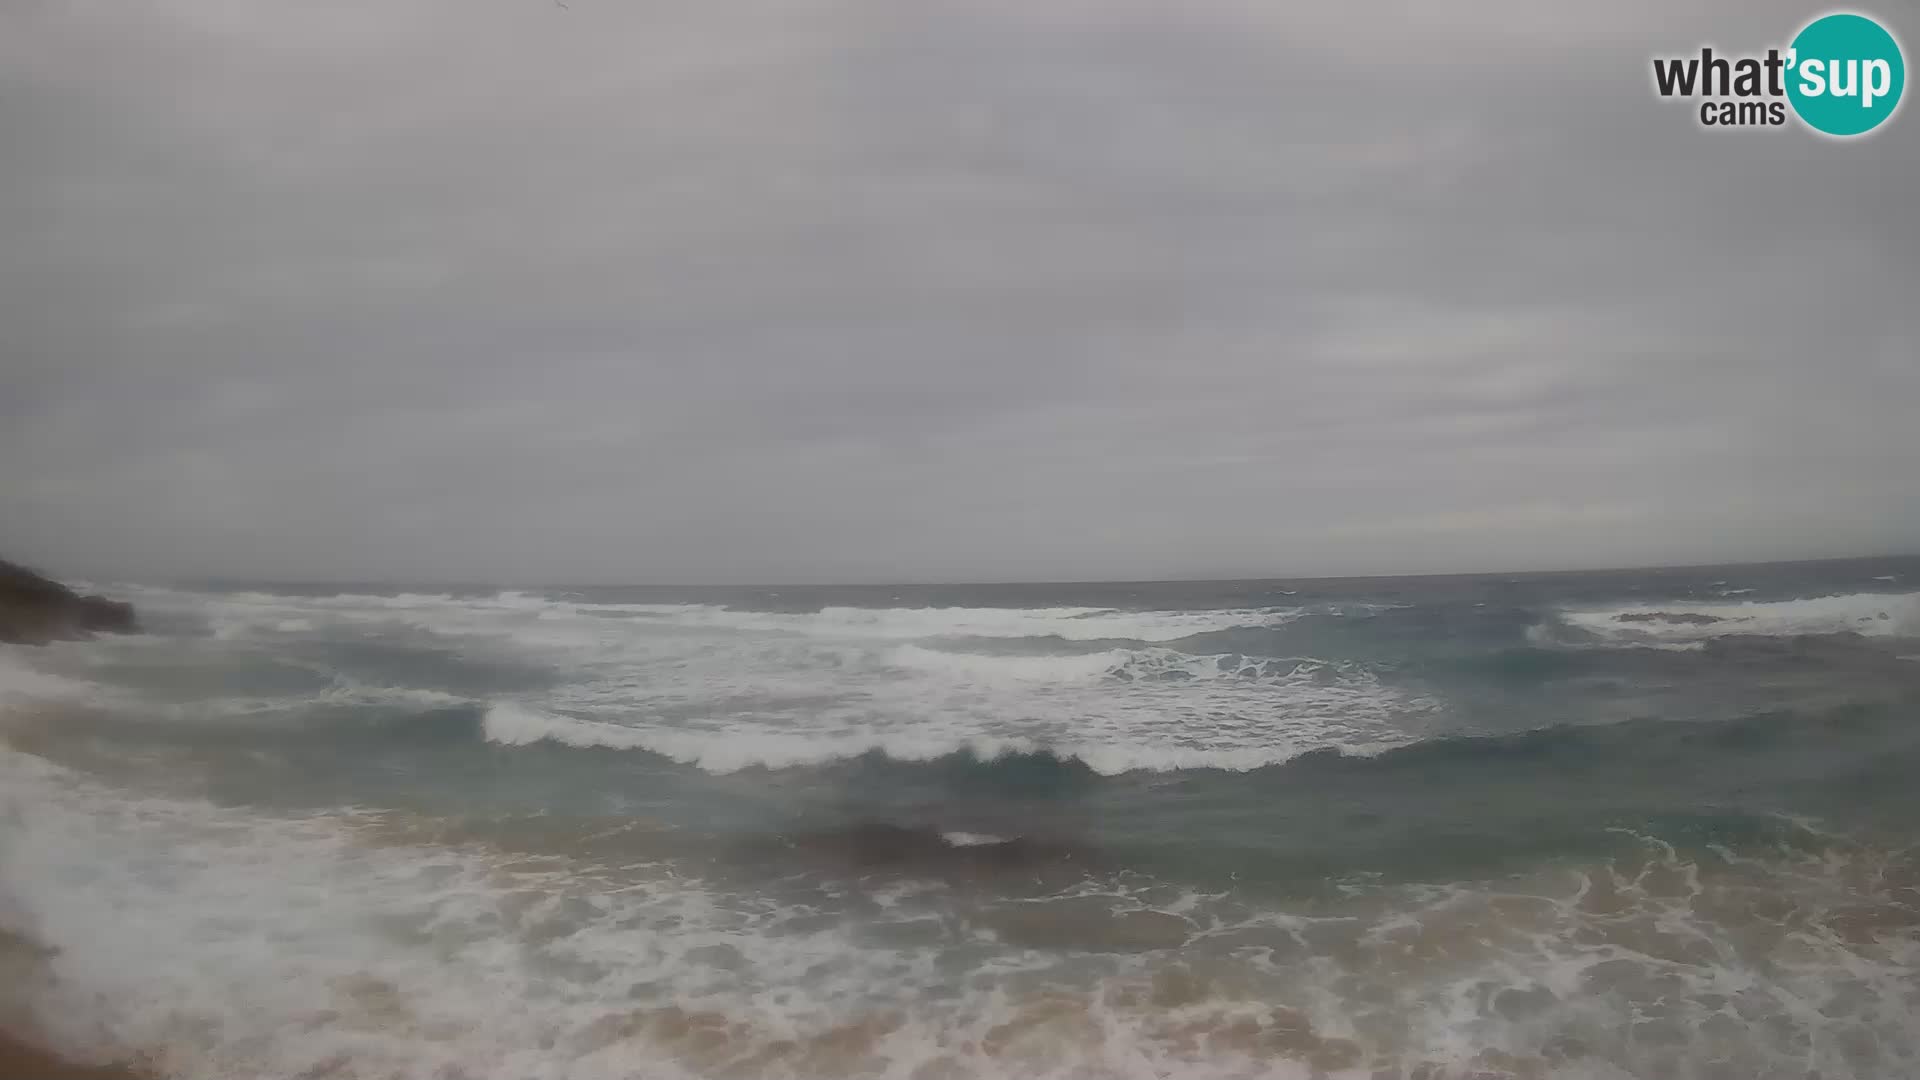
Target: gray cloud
pixel 834 290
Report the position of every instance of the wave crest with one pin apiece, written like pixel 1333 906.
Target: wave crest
pixel 513 724
pixel 1870 614
pixel 1123 665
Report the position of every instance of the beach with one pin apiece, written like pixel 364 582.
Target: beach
pixel 1624 824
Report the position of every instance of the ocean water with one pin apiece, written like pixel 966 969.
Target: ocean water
pixel 1651 824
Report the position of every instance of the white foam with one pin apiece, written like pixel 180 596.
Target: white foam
pixel 218 944
pixel 1070 623
pixel 726 690
pixel 226 946
pixel 22 683
pixel 1545 636
pixel 469 614
pixel 967 839
pixel 344 693
pixel 510 724
pixel 1872 614
pixel 737 747
pixel 729 700
pixel 1096 668
pixel 1008 670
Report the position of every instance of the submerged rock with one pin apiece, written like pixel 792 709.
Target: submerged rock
pixel 1680 618
pixel 35 610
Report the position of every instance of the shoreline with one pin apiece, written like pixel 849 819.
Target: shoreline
pixel 24 1056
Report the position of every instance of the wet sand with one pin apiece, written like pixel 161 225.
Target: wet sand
pixel 21 1060
pixel 22 1056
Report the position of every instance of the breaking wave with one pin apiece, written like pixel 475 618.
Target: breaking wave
pixel 210 941
pixel 1669 622
pixel 509 724
pixel 241 612
pixel 1545 828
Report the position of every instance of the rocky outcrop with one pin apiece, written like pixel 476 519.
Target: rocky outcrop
pixel 35 610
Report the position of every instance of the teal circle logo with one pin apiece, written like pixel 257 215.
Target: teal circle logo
pixel 1845 75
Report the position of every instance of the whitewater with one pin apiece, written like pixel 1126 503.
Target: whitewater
pixel 1629 824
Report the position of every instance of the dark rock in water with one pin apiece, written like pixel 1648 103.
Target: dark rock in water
pixel 35 610
pixel 1685 618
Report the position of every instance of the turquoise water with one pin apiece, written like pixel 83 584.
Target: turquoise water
pixel 1638 823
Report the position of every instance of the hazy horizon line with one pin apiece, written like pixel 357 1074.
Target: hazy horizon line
pixel 506 585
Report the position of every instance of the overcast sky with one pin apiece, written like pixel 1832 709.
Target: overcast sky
pixel 855 290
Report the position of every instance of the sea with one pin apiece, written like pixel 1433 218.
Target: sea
pixel 1657 824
